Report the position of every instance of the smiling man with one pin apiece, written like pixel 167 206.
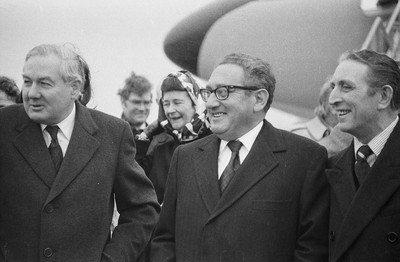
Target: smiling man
pixel 248 192
pixel 365 177
pixel 61 165
pixel 136 100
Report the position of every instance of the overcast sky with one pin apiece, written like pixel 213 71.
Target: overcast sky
pixel 115 38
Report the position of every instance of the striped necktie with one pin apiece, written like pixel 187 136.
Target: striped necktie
pixel 233 164
pixel 361 167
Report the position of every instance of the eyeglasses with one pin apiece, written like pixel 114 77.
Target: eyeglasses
pixel 146 103
pixel 222 92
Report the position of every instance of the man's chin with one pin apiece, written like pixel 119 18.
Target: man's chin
pixel 38 118
pixel 343 127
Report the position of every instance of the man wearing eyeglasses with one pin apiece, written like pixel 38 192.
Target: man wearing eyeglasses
pixel 248 192
pixel 136 100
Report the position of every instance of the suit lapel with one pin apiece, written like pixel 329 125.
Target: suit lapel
pixel 260 161
pixel 380 184
pixel 341 179
pixel 80 150
pixel 30 143
pixel 206 171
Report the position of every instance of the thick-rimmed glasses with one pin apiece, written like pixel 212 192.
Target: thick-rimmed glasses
pixel 222 92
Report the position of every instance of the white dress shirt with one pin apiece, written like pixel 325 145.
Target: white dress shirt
pixel 247 141
pixel 377 143
pixel 64 134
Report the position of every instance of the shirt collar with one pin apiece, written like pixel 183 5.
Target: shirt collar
pixel 316 128
pixel 379 141
pixel 247 139
pixel 67 125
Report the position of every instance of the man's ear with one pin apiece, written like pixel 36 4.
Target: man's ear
pixel 386 95
pixel 76 91
pixel 261 97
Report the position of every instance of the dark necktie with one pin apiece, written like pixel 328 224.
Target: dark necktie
pixel 361 167
pixel 233 164
pixel 54 148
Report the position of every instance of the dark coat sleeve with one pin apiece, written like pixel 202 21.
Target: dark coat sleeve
pixel 163 243
pixel 137 204
pixel 312 239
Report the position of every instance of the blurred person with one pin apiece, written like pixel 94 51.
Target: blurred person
pixel 323 122
pixel 9 92
pixel 249 191
pixel 184 122
pixel 322 127
pixel 136 100
pixel 61 164
pixel 365 177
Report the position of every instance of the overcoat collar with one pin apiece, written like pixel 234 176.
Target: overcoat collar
pixel 341 178
pixel 259 163
pixel 81 148
pixel 380 184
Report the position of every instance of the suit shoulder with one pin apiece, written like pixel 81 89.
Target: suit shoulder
pixel 10 111
pixel 187 147
pixel 295 140
pixel 102 118
pixel 337 157
pixel 9 115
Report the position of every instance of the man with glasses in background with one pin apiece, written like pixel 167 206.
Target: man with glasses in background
pixel 136 100
pixel 248 192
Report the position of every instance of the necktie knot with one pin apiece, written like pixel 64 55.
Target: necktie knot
pixel 53 130
pixel 363 153
pixel 234 146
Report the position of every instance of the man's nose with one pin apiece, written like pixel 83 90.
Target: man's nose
pixel 33 91
pixel 142 105
pixel 212 101
pixel 334 96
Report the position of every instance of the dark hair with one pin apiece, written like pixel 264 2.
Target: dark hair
pixel 10 88
pixel 383 70
pixel 135 84
pixel 256 71
pixel 181 81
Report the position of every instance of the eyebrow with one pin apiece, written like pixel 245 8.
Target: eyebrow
pixel 343 82
pixel 174 99
pixel 40 78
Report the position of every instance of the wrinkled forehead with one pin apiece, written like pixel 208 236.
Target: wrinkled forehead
pixel 350 71
pixel 135 96
pixel 42 66
pixel 226 74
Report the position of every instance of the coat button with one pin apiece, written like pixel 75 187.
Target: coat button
pixel 49 208
pixel 332 236
pixel 48 252
pixel 392 237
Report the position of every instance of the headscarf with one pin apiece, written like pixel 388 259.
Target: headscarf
pixel 183 81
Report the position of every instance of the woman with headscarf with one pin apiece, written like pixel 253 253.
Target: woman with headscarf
pixel 184 122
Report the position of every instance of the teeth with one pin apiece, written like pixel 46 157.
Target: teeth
pixel 343 112
pixel 217 114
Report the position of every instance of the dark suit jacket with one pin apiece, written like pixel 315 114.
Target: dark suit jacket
pixel 67 217
pixel 365 224
pixel 274 209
